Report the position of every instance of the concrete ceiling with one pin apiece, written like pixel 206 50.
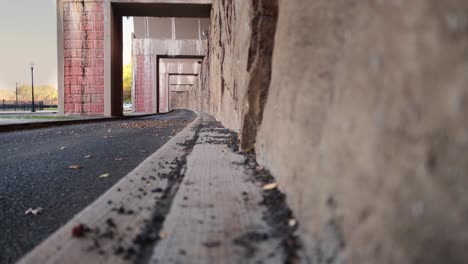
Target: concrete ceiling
pixel 162 9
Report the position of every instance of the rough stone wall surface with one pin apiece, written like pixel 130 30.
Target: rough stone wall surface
pixel 239 64
pixel 365 128
pixel 83 25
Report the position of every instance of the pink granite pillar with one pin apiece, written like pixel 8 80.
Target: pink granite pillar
pixel 143 101
pixel 83 52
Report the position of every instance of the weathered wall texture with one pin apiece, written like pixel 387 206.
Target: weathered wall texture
pixel 365 127
pixel 239 63
pixel 83 52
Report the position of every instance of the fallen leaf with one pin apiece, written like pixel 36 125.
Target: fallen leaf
pixel 75 167
pixel 108 131
pixel 292 222
pixel 270 186
pixel 88 156
pixel 34 211
pixel 80 230
pixel 259 168
pixel 62 148
pixel 162 235
pixel 105 175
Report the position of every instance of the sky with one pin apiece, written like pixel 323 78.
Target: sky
pixel 28 33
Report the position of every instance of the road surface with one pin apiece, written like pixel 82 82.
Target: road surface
pixel 35 172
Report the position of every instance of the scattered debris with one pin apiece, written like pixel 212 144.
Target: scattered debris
pixel 80 230
pixel 110 222
pixel 75 167
pixel 105 175
pixel 118 159
pixel 270 186
pixel 34 211
pixel 292 222
pixel 212 244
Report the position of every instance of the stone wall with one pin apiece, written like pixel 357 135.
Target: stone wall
pixel 83 52
pixel 239 64
pixel 364 123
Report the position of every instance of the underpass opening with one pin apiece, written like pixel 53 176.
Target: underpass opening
pixel 162 46
pixel 176 77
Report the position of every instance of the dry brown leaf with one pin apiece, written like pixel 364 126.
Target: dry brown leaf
pixel 75 167
pixel 105 175
pixel 270 186
pixel 292 222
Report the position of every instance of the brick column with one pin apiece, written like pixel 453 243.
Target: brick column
pixel 163 92
pixel 83 52
pixel 144 85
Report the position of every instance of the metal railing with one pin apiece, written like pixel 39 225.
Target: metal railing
pixel 24 106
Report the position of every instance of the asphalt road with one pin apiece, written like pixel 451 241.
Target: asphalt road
pixel 35 172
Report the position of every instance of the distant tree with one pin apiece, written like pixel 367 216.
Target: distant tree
pixel 127 83
pixel 46 93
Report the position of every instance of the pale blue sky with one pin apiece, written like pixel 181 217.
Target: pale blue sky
pixel 28 32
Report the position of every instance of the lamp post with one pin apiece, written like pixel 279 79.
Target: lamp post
pixel 16 103
pixel 32 87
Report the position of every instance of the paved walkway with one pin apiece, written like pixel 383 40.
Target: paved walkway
pixel 13 117
pixel 196 200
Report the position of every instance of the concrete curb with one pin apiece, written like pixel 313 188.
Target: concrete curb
pixel 36 125
pixel 123 212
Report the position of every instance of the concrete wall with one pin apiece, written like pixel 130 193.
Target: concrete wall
pixel 145 52
pixel 170 27
pixel 82 29
pixel 179 100
pixel 364 124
